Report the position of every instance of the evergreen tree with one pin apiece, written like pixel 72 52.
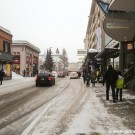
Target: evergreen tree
pixel 57 51
pixel 49 61
pixel 64 58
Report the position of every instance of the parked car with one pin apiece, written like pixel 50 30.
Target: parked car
pixel 45 79
pixel 74 75
pixel 54 73
pixel 61 74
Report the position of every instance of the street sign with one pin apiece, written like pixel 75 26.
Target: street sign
pixel 81 52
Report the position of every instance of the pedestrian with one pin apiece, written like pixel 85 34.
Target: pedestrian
pixel 84 75
pixel 2 74
pixel 87 77
pixel 110 77
pixel 24 73
pixel 98 74
pixel 119 85
pixel 93 77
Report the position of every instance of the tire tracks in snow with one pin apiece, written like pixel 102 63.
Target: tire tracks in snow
pixel 59 114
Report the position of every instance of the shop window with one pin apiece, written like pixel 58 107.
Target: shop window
pixel 129 46
pixel 8 70
pixel 6 47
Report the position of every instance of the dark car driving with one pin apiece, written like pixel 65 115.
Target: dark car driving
pixel 45 79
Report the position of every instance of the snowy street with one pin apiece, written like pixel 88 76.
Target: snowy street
pixel 67 108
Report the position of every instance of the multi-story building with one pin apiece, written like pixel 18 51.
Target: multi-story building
pixel 5 52
pixel 96 38
pixel 26 57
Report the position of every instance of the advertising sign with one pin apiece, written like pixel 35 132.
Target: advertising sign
pixel 99 41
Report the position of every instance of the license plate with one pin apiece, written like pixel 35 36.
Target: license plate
pixel 42 78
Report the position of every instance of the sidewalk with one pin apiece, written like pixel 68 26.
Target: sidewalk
pixel 125 110
pixel 15 84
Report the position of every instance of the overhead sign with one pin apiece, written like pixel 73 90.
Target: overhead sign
pixel 81 52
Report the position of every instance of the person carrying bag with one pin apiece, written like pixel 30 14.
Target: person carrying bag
pixel 119 85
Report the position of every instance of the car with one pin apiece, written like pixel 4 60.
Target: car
pixel 44 78
pixel 74 75
pixel 61 74
pixel 54 73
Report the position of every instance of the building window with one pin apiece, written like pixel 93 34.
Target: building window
pixel 129 46
pixel 6 46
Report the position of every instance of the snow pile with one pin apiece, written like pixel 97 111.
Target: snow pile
pixel 16 76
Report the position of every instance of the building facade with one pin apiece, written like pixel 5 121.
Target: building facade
pixel 96 38
pixel 5 52
pixel 26 57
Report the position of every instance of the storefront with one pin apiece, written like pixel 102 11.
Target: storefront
pixel 6 64
pixel 16 64
pixel 5 52
pixel 26 57
pixel 105 55
pixel 28 64
pixel 127 55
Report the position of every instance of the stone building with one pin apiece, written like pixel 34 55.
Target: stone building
pixel 26 57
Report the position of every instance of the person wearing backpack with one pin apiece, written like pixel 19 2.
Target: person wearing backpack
pixel 110 77
pixel 93 77
pixel 119 85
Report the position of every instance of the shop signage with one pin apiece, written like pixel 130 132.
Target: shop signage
pixel 16 59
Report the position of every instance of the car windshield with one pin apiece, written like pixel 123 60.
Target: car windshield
pixel 43 74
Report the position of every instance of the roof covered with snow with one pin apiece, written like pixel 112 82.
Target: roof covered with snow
pixel 5 30
pixel 25 43
pixel 93 50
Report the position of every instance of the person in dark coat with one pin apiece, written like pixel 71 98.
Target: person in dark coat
pixel 24 73
pixel 93 77
pixel 110 77
pixel 2 74
pixel 83 75
pixel 88 77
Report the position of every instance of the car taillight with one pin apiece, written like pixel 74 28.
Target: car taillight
pixel 49 78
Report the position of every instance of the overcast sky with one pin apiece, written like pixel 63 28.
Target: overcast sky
pixel 47 23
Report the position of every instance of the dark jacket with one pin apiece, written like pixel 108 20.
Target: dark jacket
pixel 2 74
pixel 87 76
pixel 110 76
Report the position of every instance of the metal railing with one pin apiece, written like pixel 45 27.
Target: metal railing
pixel 128 76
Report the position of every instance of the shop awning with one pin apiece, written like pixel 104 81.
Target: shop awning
pixel 5 57
pixel 107 53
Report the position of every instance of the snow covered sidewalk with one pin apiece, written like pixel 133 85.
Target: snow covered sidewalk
pixel 12 85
